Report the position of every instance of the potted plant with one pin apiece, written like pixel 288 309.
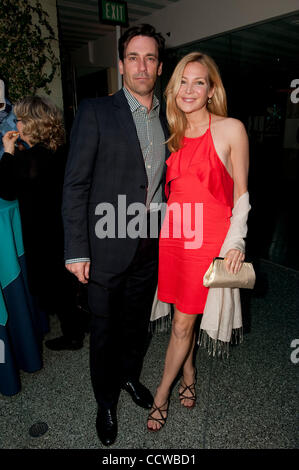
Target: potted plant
pixel 27 60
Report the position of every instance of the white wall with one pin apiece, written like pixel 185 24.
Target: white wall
pixel 190 20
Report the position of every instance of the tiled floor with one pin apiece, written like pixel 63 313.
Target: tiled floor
pixel 249 401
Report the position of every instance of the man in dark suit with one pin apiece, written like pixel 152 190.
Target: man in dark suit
pixel 115 167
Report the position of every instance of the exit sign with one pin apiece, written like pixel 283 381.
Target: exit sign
pixel 113 12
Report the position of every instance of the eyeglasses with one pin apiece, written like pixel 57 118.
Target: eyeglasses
pixel 16 120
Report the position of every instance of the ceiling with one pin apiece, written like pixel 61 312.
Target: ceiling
pixel 79 19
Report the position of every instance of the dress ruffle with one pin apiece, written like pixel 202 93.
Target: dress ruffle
pixel 217 180
pixel 173 170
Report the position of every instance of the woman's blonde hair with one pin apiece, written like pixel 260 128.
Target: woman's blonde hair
pixel 42 121
pixel 176 118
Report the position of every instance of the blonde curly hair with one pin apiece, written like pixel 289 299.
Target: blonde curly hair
pixel 42 121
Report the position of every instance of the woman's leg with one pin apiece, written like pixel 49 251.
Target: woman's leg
pixel 188 377
pixel 180 347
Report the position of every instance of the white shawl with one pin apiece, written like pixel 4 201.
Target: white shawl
pixel 222 317
pixel 160 317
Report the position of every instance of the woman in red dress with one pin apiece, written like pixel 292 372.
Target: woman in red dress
pixel 206 174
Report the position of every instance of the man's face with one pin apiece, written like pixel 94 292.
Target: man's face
pixel 140 66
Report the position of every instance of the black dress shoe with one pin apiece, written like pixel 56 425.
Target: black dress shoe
pixel 139 393
pixel 106 425
pixel 62 343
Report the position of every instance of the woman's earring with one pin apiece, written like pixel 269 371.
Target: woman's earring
pixel 209 101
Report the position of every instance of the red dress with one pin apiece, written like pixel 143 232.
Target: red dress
pixel 197 219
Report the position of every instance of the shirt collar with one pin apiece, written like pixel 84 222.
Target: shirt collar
pixel 134 103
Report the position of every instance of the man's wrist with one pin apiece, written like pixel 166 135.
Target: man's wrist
pixel 77 260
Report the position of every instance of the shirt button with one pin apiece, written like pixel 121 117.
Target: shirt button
pixel 149 166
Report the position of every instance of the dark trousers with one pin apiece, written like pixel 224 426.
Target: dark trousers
pixel 121 309
pixel 73 318
pixel 56 291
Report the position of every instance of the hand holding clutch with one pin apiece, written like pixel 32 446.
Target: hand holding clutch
pixel 218 276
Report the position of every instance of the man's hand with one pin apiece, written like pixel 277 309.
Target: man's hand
pixel 234 260
pixel 80 270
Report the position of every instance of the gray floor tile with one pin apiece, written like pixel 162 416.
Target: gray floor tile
pixel 253 396
pixel 246 402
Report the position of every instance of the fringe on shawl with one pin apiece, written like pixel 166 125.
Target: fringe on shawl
pixel 160 325
pixel 218 348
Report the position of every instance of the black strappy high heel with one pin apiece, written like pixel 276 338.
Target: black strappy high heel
pixel 162 419
pixel 191 390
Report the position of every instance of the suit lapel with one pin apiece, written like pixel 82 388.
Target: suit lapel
pixel 164 125
pixel 126 121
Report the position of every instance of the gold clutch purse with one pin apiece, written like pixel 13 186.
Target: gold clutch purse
pixel 218 276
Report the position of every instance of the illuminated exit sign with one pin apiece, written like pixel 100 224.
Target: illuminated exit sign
pixel 113 12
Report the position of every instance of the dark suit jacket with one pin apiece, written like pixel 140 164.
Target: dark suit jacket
pixel 105 160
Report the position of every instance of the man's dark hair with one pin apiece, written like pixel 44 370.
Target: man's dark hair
pixel 141 30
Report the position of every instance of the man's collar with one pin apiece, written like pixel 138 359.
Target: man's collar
pixel 134 103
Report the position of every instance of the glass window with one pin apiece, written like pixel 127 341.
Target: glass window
pixel 260 70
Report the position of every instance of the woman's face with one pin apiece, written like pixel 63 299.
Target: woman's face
pixel 195 89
